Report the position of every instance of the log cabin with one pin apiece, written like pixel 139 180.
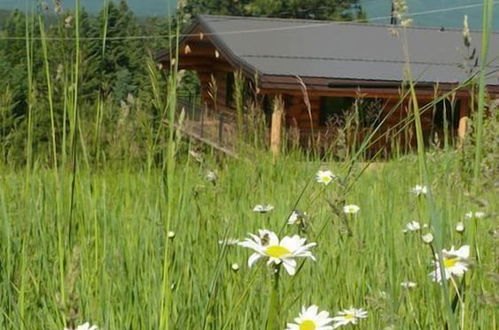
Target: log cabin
pixel 323 71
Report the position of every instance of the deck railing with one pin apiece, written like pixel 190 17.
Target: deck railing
pixel 217 127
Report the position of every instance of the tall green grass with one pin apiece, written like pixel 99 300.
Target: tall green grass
pixel 137 246
pixel 112 275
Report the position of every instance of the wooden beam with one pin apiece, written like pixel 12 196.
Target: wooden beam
pixel 206 67
pixel 385 93
pixel 464 114
pixel 197 49
pixel 275 130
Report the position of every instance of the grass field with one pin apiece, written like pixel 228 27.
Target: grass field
pixel 142 243
pixel 102 259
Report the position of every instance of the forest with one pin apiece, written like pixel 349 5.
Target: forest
pixel 115 60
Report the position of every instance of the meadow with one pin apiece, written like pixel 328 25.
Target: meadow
pixel 96 252
pixel 109 215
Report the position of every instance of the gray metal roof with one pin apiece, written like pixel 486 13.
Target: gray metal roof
pixel 344 50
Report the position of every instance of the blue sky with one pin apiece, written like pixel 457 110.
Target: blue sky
pixel 454 18
pixel 140 7
pixel 374 8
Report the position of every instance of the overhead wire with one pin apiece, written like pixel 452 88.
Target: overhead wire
pixel 248 31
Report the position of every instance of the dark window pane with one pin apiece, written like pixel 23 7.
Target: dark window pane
pixel 446 113
pixel 229 95
pixel 333 109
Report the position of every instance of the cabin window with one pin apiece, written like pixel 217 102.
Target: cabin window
pixel 370 111
pixel 446 113
pixel 333 110
pixel 338 110
pixel 229 96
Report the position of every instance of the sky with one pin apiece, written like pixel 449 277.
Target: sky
pixel 449 19
pixel 374 8
pixel 140 7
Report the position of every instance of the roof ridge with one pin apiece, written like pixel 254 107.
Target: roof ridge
pixel 325 22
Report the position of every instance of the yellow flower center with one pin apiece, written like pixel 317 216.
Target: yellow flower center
pixel 277 251
pixel 326 179
pixel 450 262
pixel 349 316
pixel 308 325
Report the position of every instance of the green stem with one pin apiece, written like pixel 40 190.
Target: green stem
pixel 488 9
pixel 273 313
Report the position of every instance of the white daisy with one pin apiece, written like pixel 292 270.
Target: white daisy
pixel 285 251
pixel 296 216
pixel 324 177
pixel 211 176
pixel 412 226
pixel 235 267
pixel 263 208
pixel 408 284
pixel 460 227
pixel 455 263
pixel 349 316
pixel 351 209
pixel 171 234
pixel 427 238
pixel 419 190
pixel 476 215
pixel 85 326
pixel 310 319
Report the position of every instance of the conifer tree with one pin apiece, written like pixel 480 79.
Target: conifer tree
pixel 306 9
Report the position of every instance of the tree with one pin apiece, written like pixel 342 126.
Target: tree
pixel 305 9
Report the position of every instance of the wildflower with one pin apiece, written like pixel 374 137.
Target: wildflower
pixel 285 251
pixel 235 267
pixel 419 190
pixel 347 316
pixel 263 208
pixel 171 234
pixel 310 319
pixel 408 284
pixel 400 10
pixel 85 326
pixel 466 32
pixel 297 216
pixel 324 177
pixel 412 226
pixel 228 241
pixel 351 209
pixel 406 22
pixel 211 176
pixel 67 22
pixel 455 263
pixel 427 238
pixel 58 6
pixel 460 227
pixel 475 215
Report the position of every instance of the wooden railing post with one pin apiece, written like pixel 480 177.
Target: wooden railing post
pixel 464 114
pixel 202 120
pixel 220 128
pixel 275 130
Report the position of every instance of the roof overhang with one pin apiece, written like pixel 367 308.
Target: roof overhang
pixel 200 30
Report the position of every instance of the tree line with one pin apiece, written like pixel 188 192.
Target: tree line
pixel 117 77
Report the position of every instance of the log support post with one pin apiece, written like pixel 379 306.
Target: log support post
pixel 464 114
pixel 275 130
